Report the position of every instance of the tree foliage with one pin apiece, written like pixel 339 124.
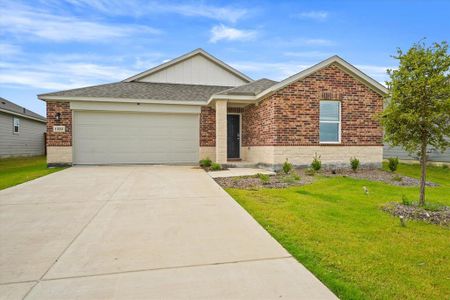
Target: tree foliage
pixel 417 113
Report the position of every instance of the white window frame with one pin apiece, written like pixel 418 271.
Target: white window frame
pixel 333 122
pixel 14 125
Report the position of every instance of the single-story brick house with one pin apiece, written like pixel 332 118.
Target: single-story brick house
pixel 197 106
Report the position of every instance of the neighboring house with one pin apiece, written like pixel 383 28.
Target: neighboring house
pixel 433 154
pixel 21 131
pixel 197 106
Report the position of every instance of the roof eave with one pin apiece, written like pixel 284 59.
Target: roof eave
pixel 125 100
pixel 22 115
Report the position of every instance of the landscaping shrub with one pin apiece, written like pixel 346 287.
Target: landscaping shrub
pixel 397 178
pixel 265 179
pixel 205 163
pixel 287 167
pixel 291 178
pixel 316 163
pixel 216 167
pixel 310 172
pixel 406 201
pixel 354 163
pixel 444 166
pixel 393 163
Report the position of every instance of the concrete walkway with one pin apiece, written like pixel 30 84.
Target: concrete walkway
pixel 141 232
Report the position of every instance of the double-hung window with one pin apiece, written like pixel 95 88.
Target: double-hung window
pixel 330 121
pixel 16 125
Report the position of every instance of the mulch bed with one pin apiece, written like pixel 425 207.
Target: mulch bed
pixel 378 175
pixel 280 180
pixel 413 212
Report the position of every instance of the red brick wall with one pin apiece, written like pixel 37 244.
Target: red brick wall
pixel 59 138
pixel 207 127
pixel 258 125
pixel 295 111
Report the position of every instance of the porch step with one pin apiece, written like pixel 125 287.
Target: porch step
pixel 234 159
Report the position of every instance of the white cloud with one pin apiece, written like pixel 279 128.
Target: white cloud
pixel 211 12
pixel 313 15
pixel 222 32
pixel 139 8
pixel 9 50
pixel 59 74
pixel 22 21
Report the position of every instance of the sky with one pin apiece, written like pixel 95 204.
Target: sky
pixel 51 45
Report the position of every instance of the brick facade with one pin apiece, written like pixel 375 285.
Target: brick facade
pixel 207 127
pixel 59 138
pixel 290 117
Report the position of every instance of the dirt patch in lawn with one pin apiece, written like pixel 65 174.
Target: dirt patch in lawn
pixel 439 215
pixel 280 180
pixel 378 175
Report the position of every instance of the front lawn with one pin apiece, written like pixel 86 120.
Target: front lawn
pixel 17 170
pixel 360 252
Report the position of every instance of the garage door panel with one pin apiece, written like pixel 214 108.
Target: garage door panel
pixel 112 137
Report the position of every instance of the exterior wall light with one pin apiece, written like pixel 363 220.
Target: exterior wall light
pixel 58 116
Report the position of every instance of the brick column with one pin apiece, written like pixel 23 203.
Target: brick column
pixel 221 131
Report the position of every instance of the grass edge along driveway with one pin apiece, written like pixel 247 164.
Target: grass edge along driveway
pixel 341 235
pixel 17 170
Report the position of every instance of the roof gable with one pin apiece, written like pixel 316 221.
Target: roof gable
pixel 347 67
pixel 196 67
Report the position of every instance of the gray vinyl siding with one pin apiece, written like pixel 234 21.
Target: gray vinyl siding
pixel 433 155
pixel 29 141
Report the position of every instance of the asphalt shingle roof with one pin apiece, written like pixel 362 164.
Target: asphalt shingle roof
pixel 250 89
pixel 144 90
pixel 12 107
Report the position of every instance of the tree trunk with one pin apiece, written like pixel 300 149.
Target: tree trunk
pixel 423 165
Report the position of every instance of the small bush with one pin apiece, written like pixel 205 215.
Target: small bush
pixel 216 167
pixel 296 177
pixel 354 163
pixel 310 172
pixel 397 178
pixel 316 163
pixel 444 166
pixel 406 201
pixel 288 179
pixel 433 206
pixel 287 167
pixel 393 163
pixel 205 163
pixel 265 179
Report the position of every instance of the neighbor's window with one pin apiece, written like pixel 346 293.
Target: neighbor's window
pixel 330 121
pixel 16 125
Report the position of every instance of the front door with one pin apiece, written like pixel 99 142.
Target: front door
pixel 233 136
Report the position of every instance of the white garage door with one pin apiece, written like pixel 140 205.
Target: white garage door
pixel 121 137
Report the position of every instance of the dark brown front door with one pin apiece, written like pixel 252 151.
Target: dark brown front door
pixel 233 136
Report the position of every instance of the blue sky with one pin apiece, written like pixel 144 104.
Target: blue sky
pixel 50 45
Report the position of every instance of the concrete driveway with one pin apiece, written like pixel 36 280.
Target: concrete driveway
pixel 141 232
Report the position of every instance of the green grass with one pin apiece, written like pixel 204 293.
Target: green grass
pixel 358 251
pixel 17 170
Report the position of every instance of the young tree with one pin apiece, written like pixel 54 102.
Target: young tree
pixel 417 112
